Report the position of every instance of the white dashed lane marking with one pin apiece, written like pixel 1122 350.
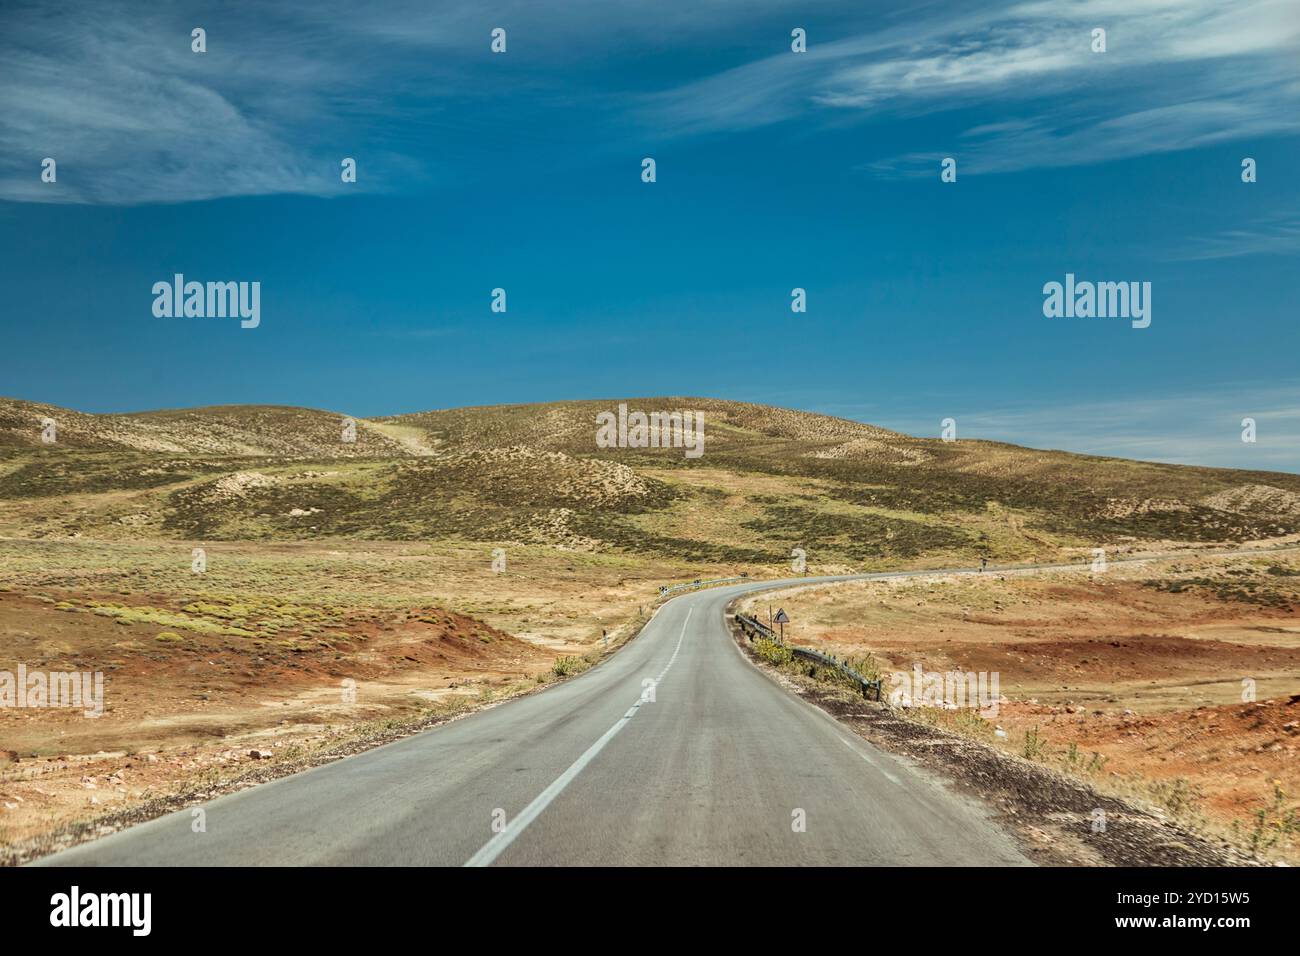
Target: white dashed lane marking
pixel 498 844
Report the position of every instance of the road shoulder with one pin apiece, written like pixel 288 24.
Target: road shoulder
pixel 1052 817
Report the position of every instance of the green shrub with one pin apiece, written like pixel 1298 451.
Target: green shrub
pixel 1034 744
pixel 567 666
pixel 772 652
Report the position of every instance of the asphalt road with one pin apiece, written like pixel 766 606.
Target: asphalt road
pixel 717 768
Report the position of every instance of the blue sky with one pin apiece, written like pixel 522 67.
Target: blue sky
pixel 775 170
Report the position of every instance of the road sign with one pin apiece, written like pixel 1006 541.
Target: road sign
pixel 781 618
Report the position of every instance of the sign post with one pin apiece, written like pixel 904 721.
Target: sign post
pixel 781 618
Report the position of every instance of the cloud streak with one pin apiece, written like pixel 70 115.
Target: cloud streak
pixel 114 94
pixel 1177 74
pixel 1277 235
pixel 1201 428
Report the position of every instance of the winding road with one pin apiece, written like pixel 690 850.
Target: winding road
pixel 718 766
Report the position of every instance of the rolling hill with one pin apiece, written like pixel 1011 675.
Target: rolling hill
pixel 770 480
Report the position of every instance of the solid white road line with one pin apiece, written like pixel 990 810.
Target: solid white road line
pixel 498 844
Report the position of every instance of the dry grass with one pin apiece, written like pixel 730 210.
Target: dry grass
pixel 1132 678
pixel 372 560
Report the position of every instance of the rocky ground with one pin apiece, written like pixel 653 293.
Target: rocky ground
pixel 275 654
pixel 1126 685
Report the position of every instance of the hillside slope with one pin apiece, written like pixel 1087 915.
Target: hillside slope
pixel 770 480
pixel 224 430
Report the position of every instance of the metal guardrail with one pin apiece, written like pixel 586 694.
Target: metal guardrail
pixel 751 627
pixel 697 583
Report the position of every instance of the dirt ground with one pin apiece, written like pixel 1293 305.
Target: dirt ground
pixel 274 652
pixel 280 651
pixel 1174 682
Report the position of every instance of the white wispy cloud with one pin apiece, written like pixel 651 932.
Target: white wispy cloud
pixel 1195 428
pixel 1275 235
pixel 1176 74
pixel 113 93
